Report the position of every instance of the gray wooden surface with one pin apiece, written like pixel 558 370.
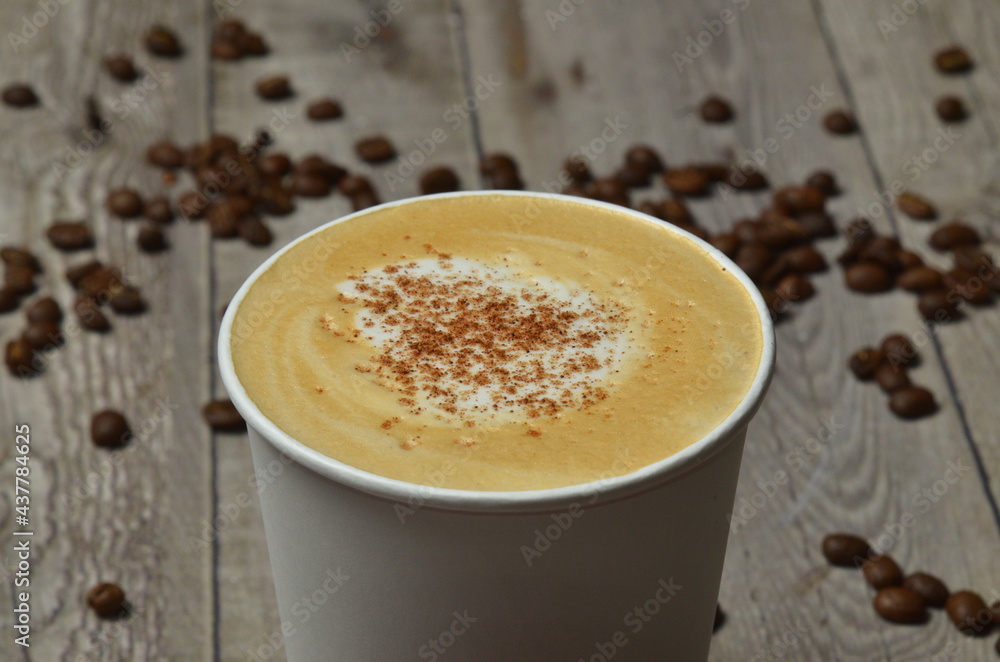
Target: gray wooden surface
pixel 173 518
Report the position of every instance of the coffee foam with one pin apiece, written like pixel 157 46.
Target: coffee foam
pixel 461 339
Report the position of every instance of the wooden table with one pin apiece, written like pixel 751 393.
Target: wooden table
pixel 174 518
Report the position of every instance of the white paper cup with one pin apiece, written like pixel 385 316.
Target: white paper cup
pixel 371 569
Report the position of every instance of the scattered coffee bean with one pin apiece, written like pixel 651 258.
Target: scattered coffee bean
pixel 805 259
pixel 716 110
pixel 579 172
pixel 121 67
pixel 222 416
pixel 794 288
pixel 13 256
pixel 891 378
pixel 19 95
pixel 795 200
pixel 968 612
pixel 127 301
pixel 912 402
pixel 165 154
pixel 908 259
pixel 969 286
pixel 727 243
pixel 43 336
pixel 440 179
pixel 817 225
pixel 107 600
pixel 364 200
pixel 845 550
pixel 634 176
pixel 825 181
pixel 275 165
pixel 317 165
pixel 9 300
pixel 310 185
pixel 840 122
pixel 952 60
pixel 865 362
pixel 109 429
pixel 254 231
pixel 898 350
pixel 375 149
pixel 158 210
pixel 19 280
pixel 868 277
pixel 642 156
pixel 353 185
pixel 898 604
pixel 973 259
pixel 689 181
pixel 324 109
pixel 162 41
pixel 124 203
pixel 609 189
pixel 952 235
pixel 274 88
pixel 77 273
pixel 916 207
pixel 151 240
pixel 192 205
pixel 920 279
pixel 500 172
pixel 939 306
pixel 753 259
pixel 45 310
pixel 19 356
pixel 70 236
pixel 102 283
pixel 882 571
pixel 930 588
pixel 675 210
pixel 89 314
pixel 720 618
pixel 951 109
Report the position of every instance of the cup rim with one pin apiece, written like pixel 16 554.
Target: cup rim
pixel 644 478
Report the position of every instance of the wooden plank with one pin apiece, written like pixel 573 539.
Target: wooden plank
pixel 566 77
pixel 123 516
pixel 400 79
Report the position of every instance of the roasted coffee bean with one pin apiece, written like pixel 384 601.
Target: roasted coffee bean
pixel 968 612
pixel 275 200
pixel 805 259
pixel 845 550
pixel 121 67
pixel 952 60
pixel 578 171
pixel 859 231
pixel 716 110
pixel 45 310
pixel 688 181
pixel 9 300
pixel 77 273
pixel 491 163
pixel 795 200
pixel 127 301
pixel 634 176
pixel 275 165
pixel 746 180
pixel 898 350
pixel 102 283
pixel 973 259
pixel 882 571
pixel 70 236
pixel 226 49
pixel 317 165
pixel 230 28
pixel 884 250
pixel 89 314
pixel 952 235
pixel 650 208
pixel 253 44
pixel 165 154
pixel 222 416
pixel 364 200
pixel 920 279
pixel 779 231
pixel 727 243
pixel 124 203
pixel 909 259
pixel 868 277
pixel 274 88
pixel 938 305
pixel 254 231
pixel 865 362
pixel 715 172
pixel 916 207
pixel 19 95
pixel 151 240
pixel 930 588
pixel 609 189
pixel 324 109
pixel 310 185
pixel 840 122
pixel 795 288
pixel 375 149
pixel 775 305
pixel 898 604
pixel 825 181
pixel 753 259
pixel 19 356
pixel 43 336
pixel 912 402
pixel 222 224
pixel 675 210
pixel 19 280
pixel 951 109
pixel 891 378
pixel 969 286
pixel 192 205
pixel 13 256
pixel 353 185
pixel 162 41
pixel 440 179
pixel 642 156
pixel 109 429
pixel 158 210
pixel 107 600
pixel 817 224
